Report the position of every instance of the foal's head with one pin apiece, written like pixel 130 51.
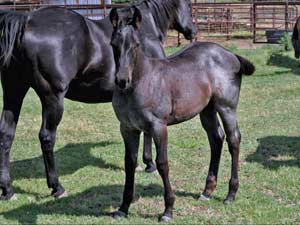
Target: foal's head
pixel 125 43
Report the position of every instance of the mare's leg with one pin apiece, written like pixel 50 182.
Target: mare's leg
pixel 52 111
pixel 160 137
pixel 131 140
pixel 14 90
pixel 215 135
pixel 233 138
pixel 147 154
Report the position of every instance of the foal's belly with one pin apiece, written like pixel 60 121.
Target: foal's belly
pixel 189 102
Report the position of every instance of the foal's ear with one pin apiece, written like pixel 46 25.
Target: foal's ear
pixel 114 17
pixel 137 18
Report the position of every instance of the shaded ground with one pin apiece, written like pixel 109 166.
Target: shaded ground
pixel 274 152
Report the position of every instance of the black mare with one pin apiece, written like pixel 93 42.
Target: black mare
pixel 296 38
pixel 202 79
pixel 59 54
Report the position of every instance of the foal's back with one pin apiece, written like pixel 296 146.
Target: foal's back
pixel 205 63
pixel 205 56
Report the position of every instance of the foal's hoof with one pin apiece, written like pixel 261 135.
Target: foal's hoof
pixel 119 214
pixel 10 196
pixel 165 219
pixel 59 194
pixel 204 197
pixel 63 195
pixel 150 168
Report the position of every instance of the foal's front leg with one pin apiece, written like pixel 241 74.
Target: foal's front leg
pixel 131 139
pixel 160 136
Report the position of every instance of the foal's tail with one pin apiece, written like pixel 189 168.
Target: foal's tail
pixel 247 67
pixel 12 26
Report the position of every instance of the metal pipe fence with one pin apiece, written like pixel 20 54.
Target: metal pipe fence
pixel 255 20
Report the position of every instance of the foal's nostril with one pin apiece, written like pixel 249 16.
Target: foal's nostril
pixel 122 83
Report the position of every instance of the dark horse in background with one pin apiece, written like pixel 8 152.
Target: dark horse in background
pixel 59 54
pixel 295 38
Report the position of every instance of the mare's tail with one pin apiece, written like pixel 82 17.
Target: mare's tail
pixel 12 26
pixel 247 68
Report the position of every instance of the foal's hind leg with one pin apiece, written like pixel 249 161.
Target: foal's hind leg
pixel 52 111
pixel 215 135
pixel 14 91
pixel 233 138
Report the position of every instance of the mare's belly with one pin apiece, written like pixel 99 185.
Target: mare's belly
pixel 90 92
pixel 92 87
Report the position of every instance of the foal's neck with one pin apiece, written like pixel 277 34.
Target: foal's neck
pixel 141 65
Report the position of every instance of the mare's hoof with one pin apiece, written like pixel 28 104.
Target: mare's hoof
pixel 139 168
pixel 150 168
pixel 228 201
pixel 204 197
pixel 59 194
pixel 164 219
pixel 119 214
pixel 10 196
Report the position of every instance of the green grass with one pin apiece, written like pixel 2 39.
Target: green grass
pixel 89 152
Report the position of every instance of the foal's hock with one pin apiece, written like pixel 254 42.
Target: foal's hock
pixel 202 79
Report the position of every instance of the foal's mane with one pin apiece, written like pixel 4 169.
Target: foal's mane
pixel 163 11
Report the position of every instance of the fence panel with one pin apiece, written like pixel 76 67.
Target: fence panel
pixel 213 20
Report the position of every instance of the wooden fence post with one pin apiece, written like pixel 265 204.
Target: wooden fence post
pixel 104 7
pixel 254 23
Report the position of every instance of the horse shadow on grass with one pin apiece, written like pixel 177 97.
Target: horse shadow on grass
pixel 70 158
pixel 94 202
pixel 280 60
pixel 274 152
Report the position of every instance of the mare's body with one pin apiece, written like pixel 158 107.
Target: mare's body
pixel 296 38
pixel 59 54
